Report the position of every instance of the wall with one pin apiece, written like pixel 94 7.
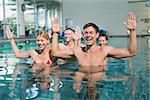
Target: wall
pixel 141 12
pixel 107 14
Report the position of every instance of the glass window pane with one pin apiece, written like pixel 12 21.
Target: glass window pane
pixel 11 15
pixel 29 21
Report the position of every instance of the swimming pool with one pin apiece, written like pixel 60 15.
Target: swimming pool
pixel 127 79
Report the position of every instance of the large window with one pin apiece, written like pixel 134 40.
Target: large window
pixel 7 16
pixel 11 16
pixel 29 20
pixel 37 16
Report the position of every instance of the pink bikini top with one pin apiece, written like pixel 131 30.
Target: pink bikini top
pixel 47 62
pixel 38 60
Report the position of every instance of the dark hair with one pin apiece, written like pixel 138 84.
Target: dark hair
pixel 104 35
pixel 93 25
pixel 70 29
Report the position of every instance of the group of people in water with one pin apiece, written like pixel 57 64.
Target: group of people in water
pixel 91 57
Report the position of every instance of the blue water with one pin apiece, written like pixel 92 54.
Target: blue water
pixel 127 79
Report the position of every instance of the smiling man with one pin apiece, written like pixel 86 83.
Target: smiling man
pixel 91 57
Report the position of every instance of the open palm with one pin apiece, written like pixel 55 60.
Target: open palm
pixel 55 25
pixel 77 35
pixel 131 23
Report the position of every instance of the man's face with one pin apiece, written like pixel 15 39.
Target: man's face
pixel 68 35
pixel 102 41
pixel 90 35
pixel 41 42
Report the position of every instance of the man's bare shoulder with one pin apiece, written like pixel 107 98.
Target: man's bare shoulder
pixel 108 48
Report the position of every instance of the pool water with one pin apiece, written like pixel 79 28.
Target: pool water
pixel 126 79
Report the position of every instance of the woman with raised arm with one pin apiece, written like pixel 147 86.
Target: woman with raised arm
pixel 41 56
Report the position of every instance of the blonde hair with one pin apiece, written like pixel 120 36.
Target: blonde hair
pixel 43 34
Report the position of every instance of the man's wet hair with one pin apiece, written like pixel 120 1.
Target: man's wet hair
pixel 93 25
pixel 70 29
pixel 104 35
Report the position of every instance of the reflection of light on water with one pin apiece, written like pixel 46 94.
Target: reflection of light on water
pixel 109 90
pixel 1 84
pixel 52 87
pixel 12 61
pixel 12 94
pixel 117 78
pixel 32 92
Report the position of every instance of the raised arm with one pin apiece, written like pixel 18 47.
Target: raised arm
pixel 77 37
pixel 17 52
pixel 131 50
pixel 56 51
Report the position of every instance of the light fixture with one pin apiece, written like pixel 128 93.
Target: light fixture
pixel 148 30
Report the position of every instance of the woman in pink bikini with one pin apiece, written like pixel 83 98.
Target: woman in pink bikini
pixel 41 57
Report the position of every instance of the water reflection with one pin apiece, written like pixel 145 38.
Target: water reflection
pixel 32 78
pixel 128 79
pixel 39 79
